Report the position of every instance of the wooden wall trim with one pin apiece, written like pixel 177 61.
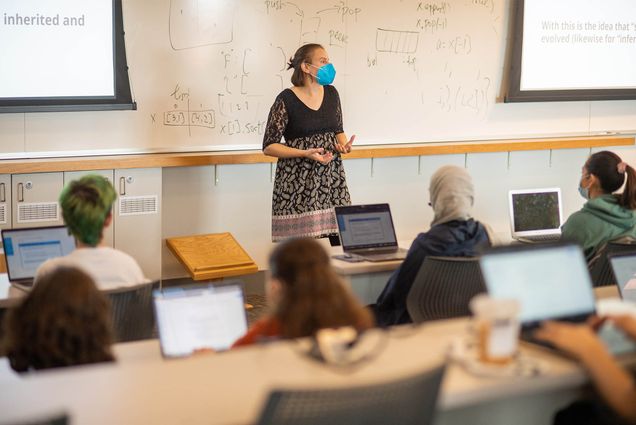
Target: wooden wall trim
pixel 191 159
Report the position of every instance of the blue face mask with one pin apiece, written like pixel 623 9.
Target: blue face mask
pixel 325 74
pixel 585 192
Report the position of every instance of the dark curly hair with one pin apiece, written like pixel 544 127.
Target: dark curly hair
pixel 313 295
pixel 64 321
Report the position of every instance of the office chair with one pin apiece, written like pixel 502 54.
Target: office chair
pixel 408 401
pixel 444 287
pixel 600 267
pixel 132 312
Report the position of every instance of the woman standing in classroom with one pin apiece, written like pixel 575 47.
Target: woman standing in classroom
pixel 310 178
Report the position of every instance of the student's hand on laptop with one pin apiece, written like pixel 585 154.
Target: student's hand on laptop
pixel 579 341
pixel 626 323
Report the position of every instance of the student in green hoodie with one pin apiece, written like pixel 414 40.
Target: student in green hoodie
pixel 605 216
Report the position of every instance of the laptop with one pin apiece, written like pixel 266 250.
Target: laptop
pixel 536 214
pixel 551 282
pixel 199 318
pixel 624 269
pixel 26 249
pixel 367 232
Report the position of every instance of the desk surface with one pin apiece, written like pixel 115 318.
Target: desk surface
pixel 232 387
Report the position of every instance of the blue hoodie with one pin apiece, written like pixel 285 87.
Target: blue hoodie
pixel 456 238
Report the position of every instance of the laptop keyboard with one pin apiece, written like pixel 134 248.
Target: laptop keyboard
pixel 541 238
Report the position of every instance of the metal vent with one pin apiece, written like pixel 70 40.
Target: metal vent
pixel 138 205
pixel 34 212
pixel 3 213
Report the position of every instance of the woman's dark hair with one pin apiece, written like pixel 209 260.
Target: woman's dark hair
pixel 64 321
pixel 612 172
pixel 313 296
pixel 302 55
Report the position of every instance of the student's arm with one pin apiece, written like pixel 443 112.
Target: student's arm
pixel 614 384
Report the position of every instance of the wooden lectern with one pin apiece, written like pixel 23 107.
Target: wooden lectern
pixel 212 256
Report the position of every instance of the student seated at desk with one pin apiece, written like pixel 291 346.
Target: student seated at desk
pixel 307 295
pixel 615 384
pixel 605 216
pixel 87 210
pixel 453 233
pixel 63 321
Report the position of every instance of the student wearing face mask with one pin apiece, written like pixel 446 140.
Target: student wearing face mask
pixel 453 233
pixel 310 178
pixel 606 215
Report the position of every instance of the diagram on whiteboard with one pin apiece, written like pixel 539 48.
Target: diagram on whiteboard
pixel 197 23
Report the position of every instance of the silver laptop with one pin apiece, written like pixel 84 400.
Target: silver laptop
pixel 26 249
pixel 367 232
pixel 551 282
pixel 536 214
pixel 624 269
pixel 199 318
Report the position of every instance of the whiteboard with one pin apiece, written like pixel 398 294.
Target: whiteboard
pixel 204 74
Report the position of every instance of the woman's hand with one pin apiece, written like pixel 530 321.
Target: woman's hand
pixel 579 341
pixel 319 155
pixel 345 147
pixel 626 323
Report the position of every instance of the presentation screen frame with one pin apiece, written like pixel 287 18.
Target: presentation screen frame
pixel 122 100
pixel 515 94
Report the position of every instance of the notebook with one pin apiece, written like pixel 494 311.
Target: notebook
pixel 551 282
pixel 367 232
pixel 624 269
pixel 199 318
pixel 536 214
pixel 26 249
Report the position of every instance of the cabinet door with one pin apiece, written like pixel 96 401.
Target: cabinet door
pixel 35 198
pixel 137 221
pixel 5 201
pixel 69 176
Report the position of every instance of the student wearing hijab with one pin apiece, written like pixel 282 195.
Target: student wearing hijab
pixel 606 215
pixel 453 233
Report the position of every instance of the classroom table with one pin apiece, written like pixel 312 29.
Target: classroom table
pixel 230 388
pixel 366 279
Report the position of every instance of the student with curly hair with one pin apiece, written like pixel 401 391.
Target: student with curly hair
pixel 307 295
pixel 87 210
pixel 64 321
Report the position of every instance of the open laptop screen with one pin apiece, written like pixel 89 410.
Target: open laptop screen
pixel 550 282
pixel 624 268
pixel 535 210
pixel 365 226
pixel 198 317
pixel 26 249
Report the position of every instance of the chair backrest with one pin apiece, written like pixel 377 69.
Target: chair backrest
pixel 444 287
pixel 132 312
pixel 409 401
pixel 600 267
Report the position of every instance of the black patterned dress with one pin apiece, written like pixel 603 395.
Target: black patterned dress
pixel 305 191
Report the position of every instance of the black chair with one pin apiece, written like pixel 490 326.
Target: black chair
pixel 600 267
pixel 444 287
pixel 408 401
pixel 132 312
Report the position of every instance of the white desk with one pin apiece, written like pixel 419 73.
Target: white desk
pixel 230 388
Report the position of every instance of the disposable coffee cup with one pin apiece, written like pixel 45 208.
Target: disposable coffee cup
pixel 497 326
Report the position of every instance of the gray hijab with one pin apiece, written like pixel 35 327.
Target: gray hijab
pixel 452 194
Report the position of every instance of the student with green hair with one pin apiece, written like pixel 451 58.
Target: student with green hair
pixel 87 210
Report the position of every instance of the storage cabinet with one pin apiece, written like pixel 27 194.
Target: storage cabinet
pixel 34 199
